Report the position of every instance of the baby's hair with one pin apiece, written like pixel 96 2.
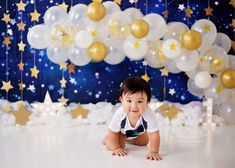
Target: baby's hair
pixel 134 85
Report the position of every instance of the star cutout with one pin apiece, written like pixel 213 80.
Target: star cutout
pixel 21 46
pixel 188 12
pixel 21 86
pixel 232 2
pixel 64 6
pixel 208 11
pixel 6 18
pixel 79 111
pixel 145 77
pixel 166 14
pixel 6 108
pixel 6 86
pixel 233 23
pixel 170 112
pixel 136 45
pixel 71 68
pixel 34 72
pixel 207 28
pixel 63 82
pixel 21 115
pixel 63 66
pixel 21 6
pixel 63 100
pixel 181 7
pixel 172 46
pixel 6 41
pixel 233 45
pixel 21 26
pixel 172 92
pixel 164 72
pixel 21 66
pixel 118 2
pixel 35 15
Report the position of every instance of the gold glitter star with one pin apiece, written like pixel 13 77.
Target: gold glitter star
pixel 35 15
pixel 208 11
pixel 63 82
pixel 34 72
pixel 6 18
pixel 21 115
pixel 172 46
pixel 136 45
pixel 6 86
pixel 21 46
pixel 79 111
pixel 21 26
pixel 118 2
pixel 21 6
pixel 170 112
pixel 63 100
pixel 64 6
pixel 219 89
pixel 63 66
pixel 188 12
pixel 21 86
pixel 71 68
pixel 207 27
pixel 21 66
pixel 6 41
pixel 145 77
pixel 232 2
pixel 164 72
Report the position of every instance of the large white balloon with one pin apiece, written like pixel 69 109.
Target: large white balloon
pixel 83 39
pixel 227 111
pixel 223 41
pixel 231 61
pixel 110 7
pixel 38 37
pixel 171 48
pixel 175 30
pixel 57 54
pixel 203 79
pixel 193 73
pixel 77 13
pixel 194 89
pixel 54 14
pixel 78 56
pixel 134 13
pixel 171 67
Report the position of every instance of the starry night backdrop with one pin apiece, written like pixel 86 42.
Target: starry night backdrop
pixel 94 82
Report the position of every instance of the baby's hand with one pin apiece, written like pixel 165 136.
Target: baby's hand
pixel 119 152
pixel 153 156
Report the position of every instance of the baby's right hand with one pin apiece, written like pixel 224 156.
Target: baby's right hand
pixel 119 152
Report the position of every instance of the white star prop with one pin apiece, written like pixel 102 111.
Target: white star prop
pixel 181 7
pixel 172 92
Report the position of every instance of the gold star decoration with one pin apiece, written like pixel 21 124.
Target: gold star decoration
pixel 166 14
pixel 6 41
pixel 6 108
pixel 34 72
pixel 35 15
pixel 21 115
pixel 136 45
pixel 21 26
pixel 219 89
pixel 63 100
pixel 145 77
pixel 21 6
pixel 79 111
pixel 232 2
pixel 164 72
pixel 6 18
pixel 63 66
pixel 21 46
pixel 172 46
pixel 233 23
pixel 188 12
pixel 207 28
pixel 63 82
pixel 21 66
pixel 21 86
pixel 71 68
pixel 64 6
pixel 170 112
pixel 233 45
pixel 6 86
pixel 209 11
pixel 119 2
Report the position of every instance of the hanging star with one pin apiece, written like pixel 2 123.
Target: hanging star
pixel 233 45
pixel 63 66
pixel 21 26
pixel 21 6
pixel 63 82
pixel 164 72
pixel 136 45
pixel 232 2
pixel 166 14
pixel 71 68
pixel 21 46
pixel 6 86
pixel 21 86
pixel 63 100
pixel 34 72
pixel 145 77
pixel 188 12
pixel 207 28
pixel 64 6
pixel 233 23
pixel 118 2
pixel 79 111
pixel 21 115
pixel 35 15
pixel 181 7
pixel 21 66
pixel 208 11
pixel 172 92
pixel 6 41
pixel 6 108
pixel 6 18
pixel 170 112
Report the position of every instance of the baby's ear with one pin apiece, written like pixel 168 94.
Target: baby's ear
pixel 120 98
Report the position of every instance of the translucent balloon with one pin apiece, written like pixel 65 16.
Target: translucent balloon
pixel 38 37
pixel 227 111
pixel 217 92
pixel 77 13
pixel 57 54
pixel 83 39
pixel 187 60
pixel 223 41
pixel 78 56
pixel 154 56
pixel 231 61
pixel 171 67
pixel 203 79
pixel 171 48
pixel 54 14
pixel 111 7
pixel 157 26
pixel 193 89
pixel 214 60
pixel 208 32
pixel 134 48
pixel 134 13
pixel 175 30
pixel 193 73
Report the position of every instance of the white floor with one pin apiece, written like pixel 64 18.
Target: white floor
pixel 79 147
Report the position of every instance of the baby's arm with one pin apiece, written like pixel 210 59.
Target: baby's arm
pixel 154 139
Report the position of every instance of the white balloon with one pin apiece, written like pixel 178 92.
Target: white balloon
pixel 171 48
pixel 134 13
pixel 194 89
pixel 54 14
pixel 223 41
pixel 57 54
pixel 175 30
pixel 115 55
pixel 193 73
pixel 38 37
pixel 77 13
pixel 83 39
pixel 171 67
pixel 227 111
pixel 111 7
pixel 203 79
pixel 231 61
pixel 78 56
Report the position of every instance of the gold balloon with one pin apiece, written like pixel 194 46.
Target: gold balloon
pixel 96 11
pixel 97 51
pixel 139 28
pixel 227 78
pixel 191 40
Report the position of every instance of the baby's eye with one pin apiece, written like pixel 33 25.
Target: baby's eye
pixel 129 101
pixel 140 101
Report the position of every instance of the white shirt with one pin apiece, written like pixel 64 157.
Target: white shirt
pixel 121 123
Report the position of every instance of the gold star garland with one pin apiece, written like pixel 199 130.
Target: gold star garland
pixel 63 82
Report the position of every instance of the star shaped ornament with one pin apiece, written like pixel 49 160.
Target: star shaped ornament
pixel 6 86
pixel 145 77
pixel 79 111
pixel 6 41
pixel 164 72
pixel 21 6
pixel 34 72
pixel 35 15
pixel 209 11
pixel 170 112
pixel 6 18
pixel 64 6
pixel 232 2
pixel 21 115
pixel 188 12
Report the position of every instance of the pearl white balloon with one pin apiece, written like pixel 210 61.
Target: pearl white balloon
pixel 231 61
pixel 171 48
pixel 78 56
pixel 171 67
pixel 83 39
pixel 223 41
pixel 111 7
pixel 57 54
pixel 203 79
pixel 227 111
pixel 193 73
pixel 134 13
pixel 77 13
pixel 175 30
pixel 54 14
pixel 194 89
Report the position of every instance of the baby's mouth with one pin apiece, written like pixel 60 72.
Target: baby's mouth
pixel 134 111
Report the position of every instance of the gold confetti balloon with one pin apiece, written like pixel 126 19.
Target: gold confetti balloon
pixel 97 51
pixel 227 78
pixel 96 11
pixel 191 40
pixel 139 28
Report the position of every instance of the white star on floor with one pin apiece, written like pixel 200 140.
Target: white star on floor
pixel 172 92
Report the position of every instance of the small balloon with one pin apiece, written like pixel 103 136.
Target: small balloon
pixel 139 28
pixel 96 11
pixel 203 79
pixel 227 78
pixel 191 40
pixel 97 51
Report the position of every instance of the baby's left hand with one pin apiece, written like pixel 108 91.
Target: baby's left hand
pixel 153 156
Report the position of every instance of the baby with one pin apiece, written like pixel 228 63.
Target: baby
pixel 134 121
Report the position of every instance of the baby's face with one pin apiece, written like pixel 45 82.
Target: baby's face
pixel 134 104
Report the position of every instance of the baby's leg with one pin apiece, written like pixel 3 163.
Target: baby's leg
pixel 121 140
pixel 141 140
